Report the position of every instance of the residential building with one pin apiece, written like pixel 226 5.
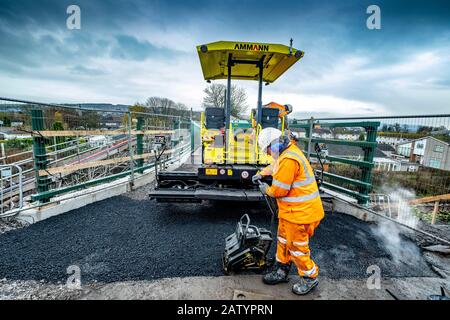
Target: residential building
pixel 16 123
pixel 322 133
pixel 348 136
pixel 427 151
pixel 391 140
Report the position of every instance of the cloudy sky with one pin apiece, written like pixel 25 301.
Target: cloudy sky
pixel 129 50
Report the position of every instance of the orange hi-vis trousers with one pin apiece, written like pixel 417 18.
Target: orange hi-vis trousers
pixel 293 245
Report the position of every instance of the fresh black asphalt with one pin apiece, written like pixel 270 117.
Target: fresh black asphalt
pixel 135 238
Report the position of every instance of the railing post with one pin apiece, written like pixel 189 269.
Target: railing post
pixel 130 148
pixel 192 137
pixel 369 153
pixel 308 133
pixel 179 135
pixel 40 157
pixel 176 133
pixel 435 212
pixel 2 149
pixel 139 144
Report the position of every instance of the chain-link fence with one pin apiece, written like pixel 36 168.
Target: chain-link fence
pixel 411 163
pixel 11 186
pixel 62 148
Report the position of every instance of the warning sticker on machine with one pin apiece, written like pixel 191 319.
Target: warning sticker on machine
pixel 211 172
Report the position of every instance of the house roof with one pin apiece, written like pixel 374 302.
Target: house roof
pixel 321 130
pixel 350 151
pixel 424 138
pixel 385 147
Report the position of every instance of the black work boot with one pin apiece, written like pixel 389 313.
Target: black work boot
pixel 278 274
pixel 305 285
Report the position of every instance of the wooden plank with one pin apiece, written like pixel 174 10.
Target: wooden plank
pixel 435 212
pixel 76 133
pixel 74 167
pixel 441 197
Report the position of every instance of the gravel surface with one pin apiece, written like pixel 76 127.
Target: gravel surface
pixel 8 224
pixel 39 290
pixel 440 230
pixel 130 237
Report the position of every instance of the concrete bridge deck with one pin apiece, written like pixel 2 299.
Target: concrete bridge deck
pixel 132 242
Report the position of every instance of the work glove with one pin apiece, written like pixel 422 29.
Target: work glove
pixel 263 187
pixel 256 177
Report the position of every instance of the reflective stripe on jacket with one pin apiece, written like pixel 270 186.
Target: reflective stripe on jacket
pixel 295 188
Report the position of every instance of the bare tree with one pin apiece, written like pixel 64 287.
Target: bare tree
pixel 215 97
pixel 166 106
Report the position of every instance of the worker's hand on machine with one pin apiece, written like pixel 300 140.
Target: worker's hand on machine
pixel 263 187
pixel 257 177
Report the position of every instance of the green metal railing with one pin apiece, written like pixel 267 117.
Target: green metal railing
pixel 140 144
pixel 44 184
pixel 43 196
pixel 40 157
pixel 363 185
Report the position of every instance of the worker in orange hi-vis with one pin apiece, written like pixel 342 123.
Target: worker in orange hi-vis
pixel 300 209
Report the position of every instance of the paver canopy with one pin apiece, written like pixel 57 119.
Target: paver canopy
pixel 277 58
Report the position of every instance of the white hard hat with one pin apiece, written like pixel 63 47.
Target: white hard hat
pixel 267 136
pixel 288 108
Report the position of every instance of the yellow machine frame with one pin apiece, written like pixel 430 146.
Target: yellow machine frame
pixel 264 62
pixel 230 157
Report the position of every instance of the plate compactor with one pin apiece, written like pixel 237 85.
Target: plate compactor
pixel 246 248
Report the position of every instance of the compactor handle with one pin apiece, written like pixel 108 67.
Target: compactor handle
pixel 246 217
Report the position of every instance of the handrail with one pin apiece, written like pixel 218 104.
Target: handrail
pixel 368 146
pixel 442 197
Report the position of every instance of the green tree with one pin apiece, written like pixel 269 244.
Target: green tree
pixel 424 129
pixel 58 125
pixel 90 119
pixel 6 121
pixel 138 108
pixel 405 128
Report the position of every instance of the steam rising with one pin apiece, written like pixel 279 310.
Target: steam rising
pixel 401 251
pixel 390 233
pixel 399 208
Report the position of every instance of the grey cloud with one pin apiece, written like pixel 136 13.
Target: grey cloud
pixel 82 70
pixel 34 42
pixel 130 48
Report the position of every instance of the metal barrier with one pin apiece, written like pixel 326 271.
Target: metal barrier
pixel 363 185
pixel 74 148
pixel 11 188
pixel 61 148
pixel 407 161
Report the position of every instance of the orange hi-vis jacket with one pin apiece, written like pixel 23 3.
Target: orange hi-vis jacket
pixel 295 188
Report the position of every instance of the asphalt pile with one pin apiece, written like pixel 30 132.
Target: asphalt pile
pixel 130 237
